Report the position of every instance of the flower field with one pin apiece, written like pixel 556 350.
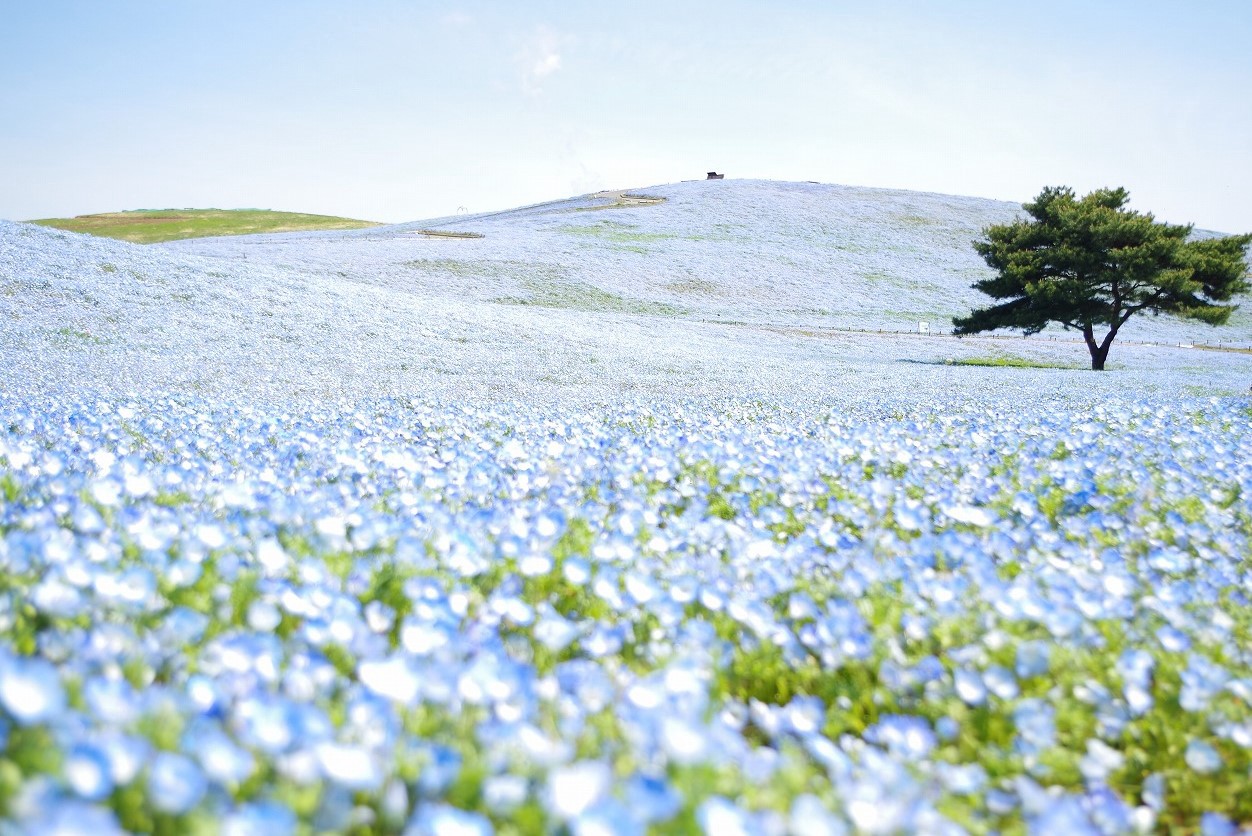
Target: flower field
pixel 424 616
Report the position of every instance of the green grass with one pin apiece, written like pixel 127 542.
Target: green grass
pixel 580 296
pixel 1008 362
pixel 1229 348
pixel 151 226
pixel 617 233
pixel 695 287
pixel 71 336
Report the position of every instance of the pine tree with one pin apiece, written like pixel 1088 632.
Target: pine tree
pixel 1090 264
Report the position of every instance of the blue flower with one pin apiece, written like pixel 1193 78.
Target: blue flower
pixel 261 818
pixel 444 820
pixel 87 771
pixel 175 783
pixel 30 690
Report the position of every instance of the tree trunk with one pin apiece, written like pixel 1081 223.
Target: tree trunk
pixel 1099 351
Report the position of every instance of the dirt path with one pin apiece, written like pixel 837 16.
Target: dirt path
pixel 623 197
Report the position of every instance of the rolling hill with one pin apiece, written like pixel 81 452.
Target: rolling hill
pixel 700 287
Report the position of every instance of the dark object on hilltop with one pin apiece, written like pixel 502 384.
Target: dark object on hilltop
pixel 713 175
pixel 1089 263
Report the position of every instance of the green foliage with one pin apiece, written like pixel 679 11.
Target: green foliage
pixel 171 499
pixel 10 490
pixel 1090 263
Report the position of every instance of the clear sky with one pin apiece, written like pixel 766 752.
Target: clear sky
pixel 395 111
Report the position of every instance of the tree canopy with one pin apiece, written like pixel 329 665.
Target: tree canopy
pixel 1090 264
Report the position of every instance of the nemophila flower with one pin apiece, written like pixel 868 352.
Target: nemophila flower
pixel 88 772
pixel 394 678
pixel 809 817
pixel 1108 812
pixel 267 724
pixel 1064 815
pixel 576 570
pixel 969 686
pixel 718 815
pixel 970 515
pixel 947 728
pixel 880 802
pixel 1201 681
pixel 651 798
pixel 353 767
pixel 125 753
pixel 445 820
pixel 113 700
pixel 1215 824
pixel 1135 667
pixel 221 758
pixel 963 779
pixel 1100 761
pixel 1238 733
pixel 30 690
pixel 610 817
pixel 1035 721
pixel 1173 640
pixel 909 738
pixel 263 616
pixel 440 768
pixel 1154 791
pixel 73 818
pixel 56 598
pixel 271 557
pixel 1000 682
pixel 261 818
pixel 1202 757
pixel 694 637
pixel 175 783
pixel 505 793
pixel 682 740
pixel 574 789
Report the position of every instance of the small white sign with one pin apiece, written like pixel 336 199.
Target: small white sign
pixel 923 327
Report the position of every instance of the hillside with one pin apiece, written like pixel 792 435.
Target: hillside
pixel 150 226
pixel 730 287
pixel 730 250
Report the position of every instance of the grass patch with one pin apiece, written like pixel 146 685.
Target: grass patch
pixel 448 233
pixel 580 296
pixel 1229 348
pixel 617 233
pixel 152 226
pixel 72 336
pixel 1008 362
pixel 693 287
pixel 529 271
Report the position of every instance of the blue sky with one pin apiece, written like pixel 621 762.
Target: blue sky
pixel 398 111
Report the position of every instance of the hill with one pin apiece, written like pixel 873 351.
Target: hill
pixel 705 288
pixel 790 254
pixel 150 226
